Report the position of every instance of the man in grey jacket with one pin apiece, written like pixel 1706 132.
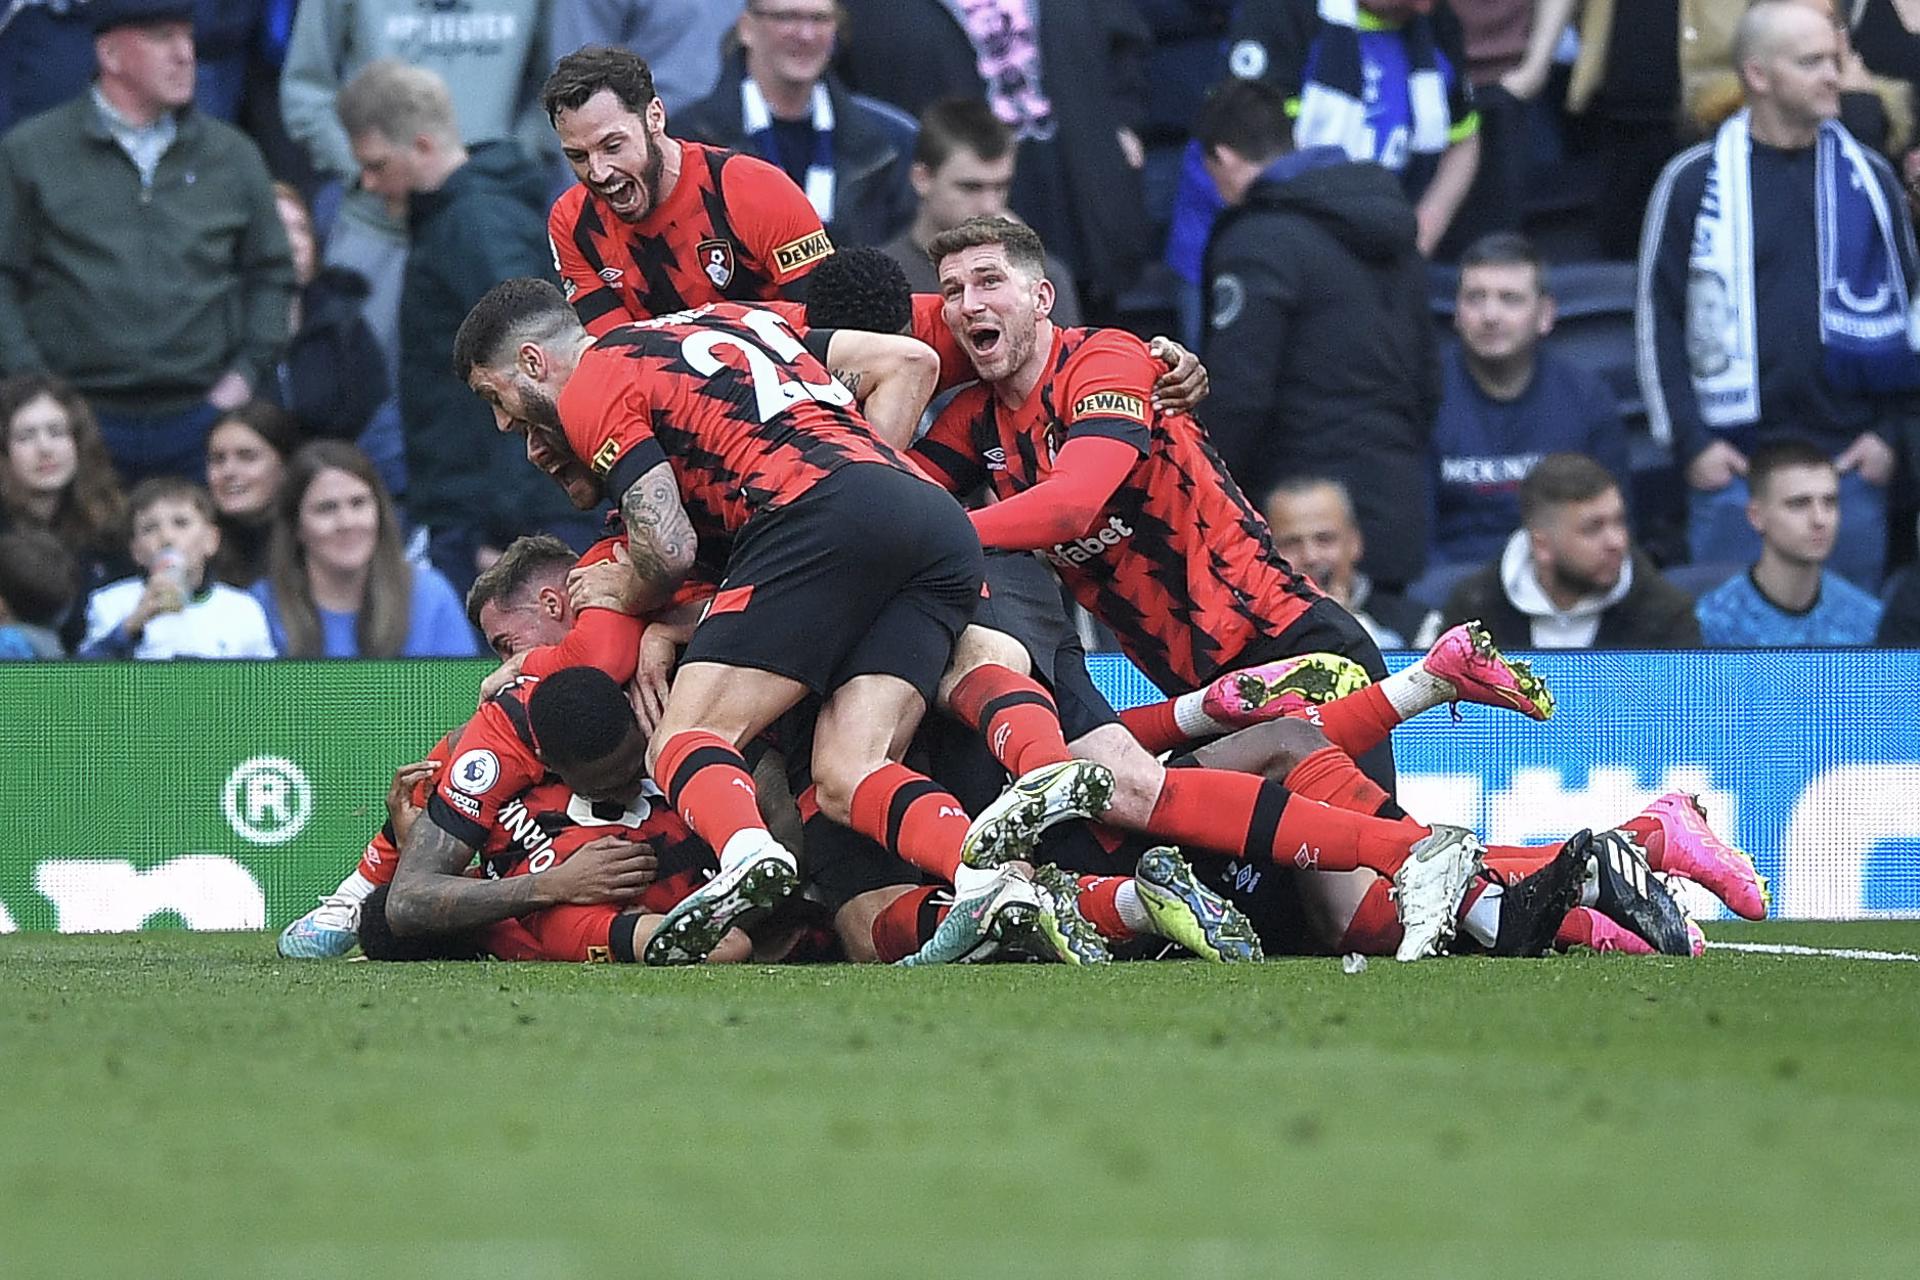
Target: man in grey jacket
pixel 141 257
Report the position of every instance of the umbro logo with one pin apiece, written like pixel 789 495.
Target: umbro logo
pixel 996 459
pixel 611 274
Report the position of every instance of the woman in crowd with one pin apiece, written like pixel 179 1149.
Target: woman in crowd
pixel 338 584
pixel 247 453
pixel 58 477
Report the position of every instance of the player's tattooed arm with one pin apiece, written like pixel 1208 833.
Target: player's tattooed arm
pixel 430 895
pixel 660 539
pixel 891 375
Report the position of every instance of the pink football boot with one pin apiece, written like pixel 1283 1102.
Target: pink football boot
pixel 1674 834
pixel 1466 658
pixel 1275 689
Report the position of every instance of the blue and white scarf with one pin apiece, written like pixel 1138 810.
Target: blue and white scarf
pixel 1867 324
pixel 1333 107
pixel 757 118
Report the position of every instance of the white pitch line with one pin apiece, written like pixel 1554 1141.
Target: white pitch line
pixel 1836 953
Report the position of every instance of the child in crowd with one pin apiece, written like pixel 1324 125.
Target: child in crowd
pixel 36 590
pixel 175 611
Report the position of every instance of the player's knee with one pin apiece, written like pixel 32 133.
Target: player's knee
pixel 980 646
pixel 1274 748
pixel 833 790
pixel 1137 776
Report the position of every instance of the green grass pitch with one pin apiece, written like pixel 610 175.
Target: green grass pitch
pixel 180 1105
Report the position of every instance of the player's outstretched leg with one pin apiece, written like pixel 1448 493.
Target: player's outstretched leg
pixel 1674 835
pixel 1622 887
pixel 1428 887
pixel 331 929
pixel 1532 908
pixel 1466 658
pixel 756 874
pixel 1185 911
pixel 1002 911
pixel 1008 829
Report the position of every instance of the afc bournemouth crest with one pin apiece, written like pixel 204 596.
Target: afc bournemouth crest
pixel 716 259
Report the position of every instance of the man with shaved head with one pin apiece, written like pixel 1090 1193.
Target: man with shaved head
pixel 1776 288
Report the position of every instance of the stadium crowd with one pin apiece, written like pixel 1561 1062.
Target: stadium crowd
pixel 299 301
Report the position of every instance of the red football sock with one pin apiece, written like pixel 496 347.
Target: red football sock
pixel 1154 726
pixel 1014 714
pixel 707 782
pixel 1375 928
pixel 1237 813
pixel 904 925
pixel 1360 721
pixel 911 815
pixel 1098 906
pixel 1330 776
pixel 378 859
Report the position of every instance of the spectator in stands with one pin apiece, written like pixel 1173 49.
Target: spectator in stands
pixel 247 453
pixel 1390 87
pixel 492 53
pixel 474 217
pixel 38 578
pixel 1780 307
pixel 1314 528
pixel 59 478
pixel 963 165
pixel 1570 577
pixel 338 584
pixel 333 375
pixel 1067 76
pixel 161 330
pixel 176 610
pixel 1506 402
pixel 1319 339
pixel 776 100
pixel 1788 598
pixel 680 39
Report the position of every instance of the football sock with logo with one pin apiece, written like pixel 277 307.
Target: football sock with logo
pixel 577 934
pixel 707 782
pixel 1014 713
pixel 904 925
pixel 1239 813
pixel 911 815
pixel 1360 721
pixel 1112 906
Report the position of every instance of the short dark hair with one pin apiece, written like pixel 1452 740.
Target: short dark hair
pixel 953 123
pixel 579 716
pixel 1777 455
pixel 1559 479
pixel 39 577
pixel 585 72
pixel 1505 249
pixel 1247 116
pixel 1022 242
pixel 523 307
pixel 860 288
pixel 158 489
pixel 526 559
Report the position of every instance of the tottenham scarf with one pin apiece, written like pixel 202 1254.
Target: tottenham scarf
pixel 1333 107
pixel 1867 327
pixel 757 118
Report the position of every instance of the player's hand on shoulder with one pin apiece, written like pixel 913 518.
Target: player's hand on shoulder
pixel 607 584
pixel 502 676
pixel 1184 385
pixel 610 868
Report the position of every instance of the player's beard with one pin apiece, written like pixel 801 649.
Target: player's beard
pixel 539 408
pixel 649 182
